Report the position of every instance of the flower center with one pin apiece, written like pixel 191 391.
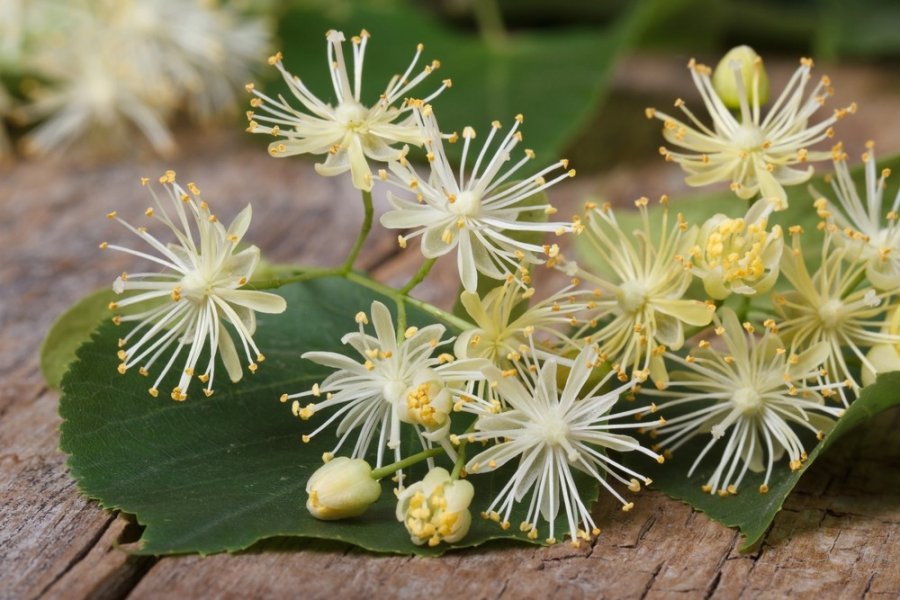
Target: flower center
pixel 352 115
pixel 467 204
pixel 555 430
pixel 195 287
pixel 832 313
pixel 748 137
pixel 393 391
pixel 632 296
pixel 747 400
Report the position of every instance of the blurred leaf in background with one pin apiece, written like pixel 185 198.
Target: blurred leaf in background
pixel 557 78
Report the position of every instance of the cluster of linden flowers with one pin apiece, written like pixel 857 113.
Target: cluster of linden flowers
pixel 97 71
pixel 537 386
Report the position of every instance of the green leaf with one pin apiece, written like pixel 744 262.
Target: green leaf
pixel 555 78
pixel 69 331
pixel 749 510
pixel 221 473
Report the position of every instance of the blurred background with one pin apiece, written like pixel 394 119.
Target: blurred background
pixel 98 93
pixel 109 80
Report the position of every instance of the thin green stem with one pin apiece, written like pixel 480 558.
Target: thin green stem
pixel 393 294
pixel 298 275
pixel 744 309
pixel 418 277
pixel 363 232
pixel 406 462
pixel 461 454
pixel 401 320
pixel 490 22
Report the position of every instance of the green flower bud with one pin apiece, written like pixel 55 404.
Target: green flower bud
pixel 730 85
pixel 341 488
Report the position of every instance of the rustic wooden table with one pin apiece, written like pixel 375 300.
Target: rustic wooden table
pixel 838 535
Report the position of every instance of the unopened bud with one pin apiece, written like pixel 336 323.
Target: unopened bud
pixel 341 488
pixel 726 81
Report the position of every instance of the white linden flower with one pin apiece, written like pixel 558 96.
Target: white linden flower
pixel 349 132
pixel 474 212
pixel 639 300
pixel 754 154
pixel 831 307
pixel 863 224
pixel 501 328
pixel 436 509
pixel 551 434
pixel 738 255
pixel 110 68
pixel 341 488
pixel 756 390
pixel 189 303
pixel 396 382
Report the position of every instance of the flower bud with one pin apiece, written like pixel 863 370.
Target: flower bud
pixel 883 358
pixel 341 488
pixel 737 73
pixel 738 255
pixel 436 509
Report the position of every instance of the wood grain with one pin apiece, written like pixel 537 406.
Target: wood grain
pixel 838 536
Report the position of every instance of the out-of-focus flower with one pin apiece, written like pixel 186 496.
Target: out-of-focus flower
pixel 752 153
pixel 109 68
pixel 341 488
pixel 436 509
pixel 199 291
pixel 395 382
pixel 641 310
pixel 350 133
pixel 756 390
pixel 552 434
pixel 830 306
pixel 738 255
pixel 863 224
pixel 475 212
pixel 503 327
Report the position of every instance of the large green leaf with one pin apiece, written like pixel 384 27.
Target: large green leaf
pixel 749 510
pixel 221 473
pixel 555 78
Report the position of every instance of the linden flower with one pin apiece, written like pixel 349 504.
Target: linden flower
pixel 501 330
pixel 754 154
pixel 108 69
pixel 474 212
pixel 436 509
pixel 553 434
pixel 860 223
pixel 396 382
pixel 188 304
pixel 752 388
pixel 831 307
pixel 349 132
pixel 641 296
pixel 738 255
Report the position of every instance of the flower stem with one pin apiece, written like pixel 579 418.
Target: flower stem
pixel 363 232
pixel 461 454
pixel 406 462
pixel 297 275
pixel 490 22
pixel 416 279
pixel 393 294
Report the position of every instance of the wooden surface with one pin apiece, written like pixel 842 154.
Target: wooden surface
pixel 838 536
